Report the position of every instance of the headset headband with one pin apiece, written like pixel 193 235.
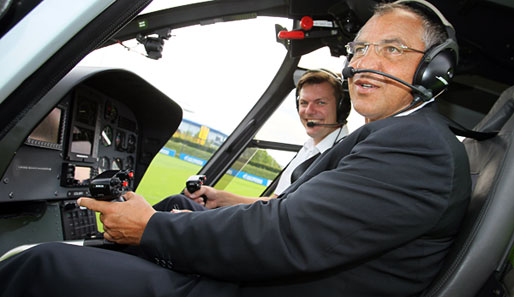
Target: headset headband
pixel 434 9
pixel 332 74
pixel 451 41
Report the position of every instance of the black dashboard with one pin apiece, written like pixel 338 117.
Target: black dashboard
pixel 92 121
pixel 86 134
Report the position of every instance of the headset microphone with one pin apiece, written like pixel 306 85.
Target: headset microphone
pixel 425 94
pixel 313 124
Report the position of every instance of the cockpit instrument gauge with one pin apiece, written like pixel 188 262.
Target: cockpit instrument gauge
pixel 110 113
pixel 106 136
pixel 119 141
pixel 129 163
pixel 117 164
pixel 131 143
pixel 103 164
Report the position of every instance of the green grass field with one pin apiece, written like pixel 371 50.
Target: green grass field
pixel 167 176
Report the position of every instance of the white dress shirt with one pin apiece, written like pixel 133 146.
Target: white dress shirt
pixel 307 151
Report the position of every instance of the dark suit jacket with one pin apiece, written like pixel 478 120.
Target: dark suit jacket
pixel 374 216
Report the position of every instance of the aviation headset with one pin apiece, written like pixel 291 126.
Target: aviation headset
pixel 343 106
pixel 436 69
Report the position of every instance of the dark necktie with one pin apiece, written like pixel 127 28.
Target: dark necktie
pixel 300 169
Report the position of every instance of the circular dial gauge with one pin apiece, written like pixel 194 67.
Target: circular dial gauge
pixel 131 143
pixel 111 113
pixel 119 141
pixel 107 136
pixel 117 164
pixel 103 164
pixel 129 163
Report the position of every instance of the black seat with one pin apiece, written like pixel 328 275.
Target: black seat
pixel 479 260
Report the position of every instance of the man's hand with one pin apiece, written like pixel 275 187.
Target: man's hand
pixel 213 196
pixel 124 222
pixel 219 198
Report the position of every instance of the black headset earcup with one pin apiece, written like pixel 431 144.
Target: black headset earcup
pixel 344 106
pixel 436 69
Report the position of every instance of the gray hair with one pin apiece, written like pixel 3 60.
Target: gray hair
pixel 433 31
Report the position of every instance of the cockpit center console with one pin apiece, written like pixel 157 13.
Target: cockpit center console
pixel 86 134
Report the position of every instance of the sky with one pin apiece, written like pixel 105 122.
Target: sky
pixel 217 72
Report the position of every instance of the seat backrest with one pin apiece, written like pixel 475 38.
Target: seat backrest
pixel 485 238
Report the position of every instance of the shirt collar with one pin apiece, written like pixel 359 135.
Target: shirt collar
pixel 328 141
pixel 407 112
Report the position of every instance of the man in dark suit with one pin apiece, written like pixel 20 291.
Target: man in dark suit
pixel 373 216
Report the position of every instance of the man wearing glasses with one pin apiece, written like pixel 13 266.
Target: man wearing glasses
pixel 373 216
pixel 369 90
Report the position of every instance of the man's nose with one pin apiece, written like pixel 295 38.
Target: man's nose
pixel 310 108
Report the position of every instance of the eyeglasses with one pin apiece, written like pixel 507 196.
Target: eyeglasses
pixel 387 49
